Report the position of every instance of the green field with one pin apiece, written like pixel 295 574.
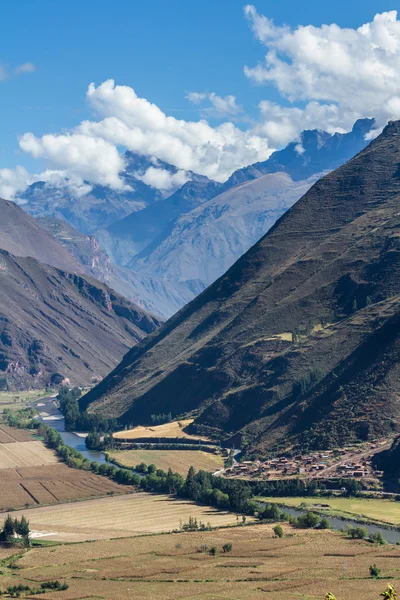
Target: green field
pixel 18 399
pixel 386 511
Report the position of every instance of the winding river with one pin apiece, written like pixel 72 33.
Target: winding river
pixel 52 416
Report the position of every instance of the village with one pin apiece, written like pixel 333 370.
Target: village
pixel 354 462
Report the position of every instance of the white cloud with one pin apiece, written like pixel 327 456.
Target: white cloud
pixel 162 179
pixel 341 73
pixel 27 67
pixel 13 181
pixel 221 106
pixel 84 158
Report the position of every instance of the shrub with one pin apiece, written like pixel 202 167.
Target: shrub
pixel 227 548
pixel 377 538
pixel 307 521
pixel 374 571
pixel 214 551
pixel 357 533
pixel 324 523
pixel 278 531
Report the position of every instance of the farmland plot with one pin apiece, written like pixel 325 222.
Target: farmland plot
pixel 178 460
pixel 306 564
pixel 120 516
pixel 25 454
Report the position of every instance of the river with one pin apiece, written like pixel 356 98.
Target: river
pixel 390 535
pixel 52 416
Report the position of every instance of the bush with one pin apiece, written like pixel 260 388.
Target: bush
pixel 324 524
pixel 278 531
pixel 357 533
pixel 214 551
pixel 308 521
pixel 227 548
pixel 377 538
pixel 374 571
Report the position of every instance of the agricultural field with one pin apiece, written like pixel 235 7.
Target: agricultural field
pixel 178 460
pixel 174 429
pixel 119 516
pixel 51 484
pixel 386 511
pixel 15 400
pixel 32 475
pixel 305 565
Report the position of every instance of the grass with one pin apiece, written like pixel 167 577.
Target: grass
pixel 385 511
pixel 179 566
pixel 18 399
pixel 118 516
pixel 174 429
pixel 178 460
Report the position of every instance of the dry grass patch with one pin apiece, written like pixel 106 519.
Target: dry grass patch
pixel 25 454
pixel 174 429
pixel 172 567
pixel 178 460
pixel 127 515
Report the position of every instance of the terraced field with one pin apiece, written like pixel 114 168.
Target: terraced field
pixel 174 429
pixel 178 460
pixel 306 565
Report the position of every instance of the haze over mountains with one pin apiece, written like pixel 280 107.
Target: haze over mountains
pixel 175 245
pixel 299 341
pixel 57 323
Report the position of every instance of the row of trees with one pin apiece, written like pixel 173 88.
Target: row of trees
pixel 81 421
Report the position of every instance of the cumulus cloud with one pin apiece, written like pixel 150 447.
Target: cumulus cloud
pixel 221 106
pixel 340 73
pixel 162 179
pixel 85 158
pixel 27 67
pixel 89 152
pixel 13 182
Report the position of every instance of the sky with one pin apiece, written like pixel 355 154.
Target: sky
pixel 209 86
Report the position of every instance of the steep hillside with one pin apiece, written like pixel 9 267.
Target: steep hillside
pixel 158 297
pixel 22 236
pixel 55 325
pixel 299 341
pixel 202 244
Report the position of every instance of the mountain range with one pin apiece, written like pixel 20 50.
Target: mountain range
pixel 55 320
pixel 297 344
pixel 177 245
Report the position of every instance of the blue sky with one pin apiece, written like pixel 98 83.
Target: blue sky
pixel 162 49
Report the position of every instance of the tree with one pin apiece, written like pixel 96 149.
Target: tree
pixel 324 523
pixel 308 521
pixel 214 551
pixel 374 571
pixel 227 548
pixel 377 538
pixel 190 482
pixel 8 529
pixel 278 531
pixel 22 527
pixel 151 469
pixel 92 440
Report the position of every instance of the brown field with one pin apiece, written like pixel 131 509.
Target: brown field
pixel 174 429
pixel 178 460
pixel 25 454
pixel 50 484
pixel 10 434
pixel 172 567
pixel 120 516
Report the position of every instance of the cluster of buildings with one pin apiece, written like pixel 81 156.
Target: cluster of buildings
pixel 309 466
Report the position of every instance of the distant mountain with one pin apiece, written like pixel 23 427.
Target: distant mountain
pixel 56 322
pixel 125 238
pixel 21 235
pixel 102 206
pixel 299 342
pixel 143 291
pixel 55 325
pixel 202 244
pixel 314 152
pixel 205 236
